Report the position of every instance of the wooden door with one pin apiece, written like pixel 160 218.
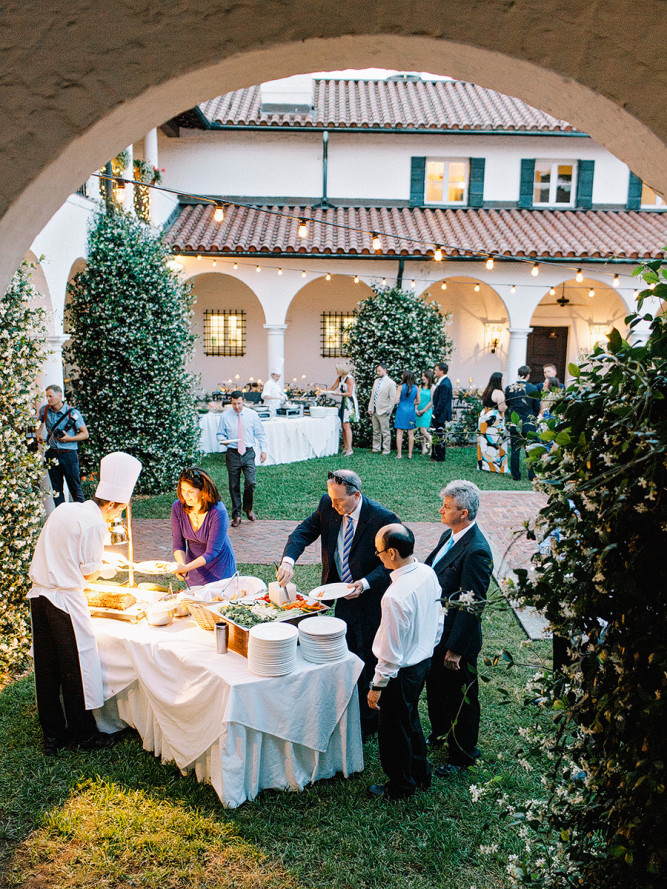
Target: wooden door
pixel 547 345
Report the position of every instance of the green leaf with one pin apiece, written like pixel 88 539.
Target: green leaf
pixel 615 340
pixel 574 370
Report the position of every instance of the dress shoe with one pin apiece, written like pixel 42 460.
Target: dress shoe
pixel 53 746
pixel 381 791
pixel 251 515
pixel 448 769
pixel 236 521
pixel 100 741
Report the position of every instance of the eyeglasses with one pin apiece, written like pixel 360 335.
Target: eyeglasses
pixel 378 552
pixel 334 477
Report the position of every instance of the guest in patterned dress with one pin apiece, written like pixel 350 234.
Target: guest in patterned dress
pixel 492 438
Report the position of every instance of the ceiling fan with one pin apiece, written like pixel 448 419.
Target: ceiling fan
pixel 563 301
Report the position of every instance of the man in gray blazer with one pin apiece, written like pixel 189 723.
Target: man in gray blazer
pixel 380 406
pixel 463 564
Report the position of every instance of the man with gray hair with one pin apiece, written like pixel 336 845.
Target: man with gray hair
pixel 463 564
pixel 347 521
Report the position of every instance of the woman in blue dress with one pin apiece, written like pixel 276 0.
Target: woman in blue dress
pixel 406 413
pixel 199 526
pixel 425 410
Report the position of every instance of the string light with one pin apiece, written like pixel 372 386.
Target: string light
pixel 413 283
pixel 513 288
pixel 476 288
pixel 552 291
pixel 328 277
pixel 489 263
pixel 443 286
pixel 303 273
pixel 235 266
pixel 535 270
pixel 219 213
pixel 616 281
pixel 579 277
pixel 258 268
pixel 280 271
pixel 303 228
pixel 356 279
pixel 376 241
pixel 635 294
pixel 591 293
pixel 199 257
pixel 214 263
pixel 437 254
pixel 384 282
pixel 651 286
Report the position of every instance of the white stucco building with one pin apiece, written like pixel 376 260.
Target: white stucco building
pixel 430 167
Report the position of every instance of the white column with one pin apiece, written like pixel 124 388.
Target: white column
pixel 275 346
pixel 128 202
pixel 516 351
pixel 150 147
pixel 51 372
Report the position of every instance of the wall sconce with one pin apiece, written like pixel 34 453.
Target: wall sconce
pixel 492 335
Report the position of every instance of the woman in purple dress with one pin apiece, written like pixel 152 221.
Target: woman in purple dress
pixel 199 526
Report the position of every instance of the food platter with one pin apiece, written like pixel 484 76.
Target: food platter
pixel 156 567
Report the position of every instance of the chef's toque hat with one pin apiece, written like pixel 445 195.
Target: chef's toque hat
pixel 277 367
pixel 118 475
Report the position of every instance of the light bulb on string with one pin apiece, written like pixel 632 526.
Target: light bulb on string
pixel 199 257
pixel 258 268
pixel 616 281
pixel 552 291
pixel 579 277
pixel 591 293
pixel 303 228
pixel 356 279
pixel 437 254
pixel 535 270
pixel 327 276
pixel 413 283
pixel 443 286
pixel 384 282
pixel 513 288
pixel 651 286
pixel 219 213
pixel 303 273
pixel 376 241
pixel 280 271
pixel 235 266
pixel 489 263
pixel 476 288
pixel 214 263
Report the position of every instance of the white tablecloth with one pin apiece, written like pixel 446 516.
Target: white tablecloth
pixel 289 439
pixel 206 712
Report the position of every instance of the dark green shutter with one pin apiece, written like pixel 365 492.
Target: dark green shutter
pixel 634 192
pixel 476 184
pixel 585 171
pixel 527 182
pixel 417 178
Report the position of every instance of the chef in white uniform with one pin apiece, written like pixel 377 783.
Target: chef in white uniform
pixel 273 394
pixel 69 554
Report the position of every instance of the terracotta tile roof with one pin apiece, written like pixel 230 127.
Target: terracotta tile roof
pixel 390 104
pixel 345 230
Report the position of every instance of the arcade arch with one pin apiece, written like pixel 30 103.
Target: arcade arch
pixel 214 293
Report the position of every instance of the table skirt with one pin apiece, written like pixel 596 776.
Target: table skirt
pixel 253 760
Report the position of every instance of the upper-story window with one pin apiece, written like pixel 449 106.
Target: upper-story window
pixel 446 181
pixel 554 184
pixel 224 332
pixel 650 199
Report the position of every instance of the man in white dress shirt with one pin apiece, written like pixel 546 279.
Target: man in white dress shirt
pixel 409 630
pixel 380 406
pixel 241 432
pixel 68 555
pixel 273 394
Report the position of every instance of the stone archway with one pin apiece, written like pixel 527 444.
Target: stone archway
pixel 58 66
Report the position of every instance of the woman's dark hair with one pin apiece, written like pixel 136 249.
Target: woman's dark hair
pixel 200 479
pixel 552 383
pixel 408 379
pixel 428 373
pixel 495 382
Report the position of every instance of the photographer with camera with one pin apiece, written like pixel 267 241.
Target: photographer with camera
pixel 64 428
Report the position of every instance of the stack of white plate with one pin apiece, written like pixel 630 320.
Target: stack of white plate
pixel 322 639
pixel 272 649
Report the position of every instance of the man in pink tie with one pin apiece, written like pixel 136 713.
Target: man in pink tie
pixel 241 432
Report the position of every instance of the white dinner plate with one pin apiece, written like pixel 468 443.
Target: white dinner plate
pixel 156 567
pixel 330 591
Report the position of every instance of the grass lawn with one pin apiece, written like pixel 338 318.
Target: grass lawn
pixel 291 490
pixel 121 818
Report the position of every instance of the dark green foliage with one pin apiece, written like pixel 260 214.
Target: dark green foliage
pixel 603 585
pixel 400 329
pixel 130 324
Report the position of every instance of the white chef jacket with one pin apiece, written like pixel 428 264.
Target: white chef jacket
pixel 412 621
pixel 274 393
pixel 70 546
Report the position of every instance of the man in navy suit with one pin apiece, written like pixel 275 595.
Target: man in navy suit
pixel 463 564
pixel 442 409
pixel 347 522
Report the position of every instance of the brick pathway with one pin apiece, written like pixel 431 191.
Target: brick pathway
pixel 501 514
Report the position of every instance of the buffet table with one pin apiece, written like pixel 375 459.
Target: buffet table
pixel 289 439
pixel 206 712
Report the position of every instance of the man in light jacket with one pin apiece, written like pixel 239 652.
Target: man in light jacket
pixel 380 406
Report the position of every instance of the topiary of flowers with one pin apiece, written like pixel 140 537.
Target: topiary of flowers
pixel 21 355
pixel 601 580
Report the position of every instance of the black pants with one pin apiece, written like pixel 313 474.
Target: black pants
pixel 440 447
pixel 453 706
pixel 64 465
pixel 237 463
pixel 362 625
pixel 518 441
pixel 57 670
pixel 400 737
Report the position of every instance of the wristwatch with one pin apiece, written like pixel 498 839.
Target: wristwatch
pixel 376 687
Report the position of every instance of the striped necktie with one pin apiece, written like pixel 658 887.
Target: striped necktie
pixel 348 536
